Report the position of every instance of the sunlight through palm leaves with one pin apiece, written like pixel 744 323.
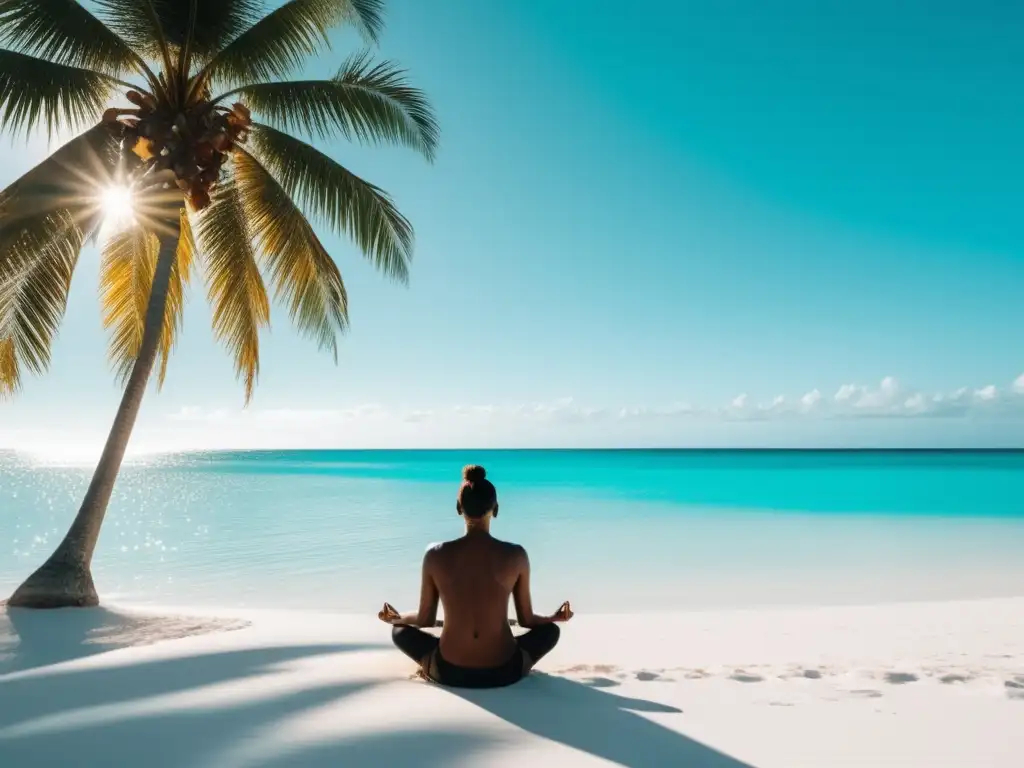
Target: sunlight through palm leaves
pixel 185 175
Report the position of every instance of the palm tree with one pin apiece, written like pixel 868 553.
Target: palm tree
pixel 214 188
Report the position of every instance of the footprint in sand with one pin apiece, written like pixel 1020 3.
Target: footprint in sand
pixel 900 678
pixel 1015 687
pixel 593 669
pixel 952 679
pixel 646 677
pixel 866 693
pixel 745 677
pixel 812 674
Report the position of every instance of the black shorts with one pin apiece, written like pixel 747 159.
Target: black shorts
pixel 445 673
pixel 423 648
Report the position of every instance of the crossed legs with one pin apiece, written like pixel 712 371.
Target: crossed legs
pixel 414 643
pixel 420 646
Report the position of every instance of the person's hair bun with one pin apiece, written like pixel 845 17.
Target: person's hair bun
pixel 474 473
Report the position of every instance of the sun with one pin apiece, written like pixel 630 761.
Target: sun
pixel 118 208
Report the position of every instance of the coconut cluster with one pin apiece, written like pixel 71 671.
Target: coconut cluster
pixel 193 144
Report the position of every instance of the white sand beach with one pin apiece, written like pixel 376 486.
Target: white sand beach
pixel 928 684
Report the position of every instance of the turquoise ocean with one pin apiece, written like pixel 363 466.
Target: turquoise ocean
pixel 614 531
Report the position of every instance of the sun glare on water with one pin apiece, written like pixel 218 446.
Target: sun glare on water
pixel 81 454
pixel 118 208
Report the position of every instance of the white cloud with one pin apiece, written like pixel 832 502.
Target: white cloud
pixel 811 399
pixel 645 412
pixel 563 421
pixel 1018 384
pixel 885 396
pixel 776 407
pixel 986 393
pixel 848 392
pixel 916 403
pixel 463 424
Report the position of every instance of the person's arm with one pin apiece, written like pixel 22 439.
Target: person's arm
pixel 426 616
pixel 523 600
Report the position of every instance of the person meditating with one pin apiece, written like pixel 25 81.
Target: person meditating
pixel 473 577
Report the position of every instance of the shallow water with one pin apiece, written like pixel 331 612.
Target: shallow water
pixel 611 530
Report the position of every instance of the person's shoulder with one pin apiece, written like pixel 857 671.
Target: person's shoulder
pixel 439 548
pixel 512 549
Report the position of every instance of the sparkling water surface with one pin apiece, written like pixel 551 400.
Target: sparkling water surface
pixel 614 531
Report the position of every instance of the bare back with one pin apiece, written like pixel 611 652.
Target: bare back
pixel 475 576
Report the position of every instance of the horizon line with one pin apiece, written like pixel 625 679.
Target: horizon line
pixel 565 449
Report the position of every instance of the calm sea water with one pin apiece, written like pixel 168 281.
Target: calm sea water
pixel 615 531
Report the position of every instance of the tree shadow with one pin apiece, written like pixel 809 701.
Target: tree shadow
pixel 35 640
pixel 32 638
pixel 173 738
pixel 111 715
pixel 602 724
pixel 32 696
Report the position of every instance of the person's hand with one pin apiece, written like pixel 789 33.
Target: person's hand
pixel 564 612
pixel 389 615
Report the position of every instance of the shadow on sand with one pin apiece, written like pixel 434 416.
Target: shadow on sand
pixel 602 724
pixel 30 639
pixel 125 723
pixel 130 712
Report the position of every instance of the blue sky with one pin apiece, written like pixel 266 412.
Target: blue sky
pixel 645 226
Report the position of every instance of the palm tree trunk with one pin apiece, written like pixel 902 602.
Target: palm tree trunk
pixel 65 579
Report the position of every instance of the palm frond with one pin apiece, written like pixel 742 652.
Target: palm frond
pixel 365 101
pixel 63 31
pixel 21 247
pixel 143 23
pixel 62 187
pixel 127 270
pixel 137 22
pixel 181 275
pixel 34 296
pixel 336 196
pixel 35 91
pixel 367 16
pixel 302 273
pixel 281 41
pixel 126 280
pixel 71 177
pixel 234 284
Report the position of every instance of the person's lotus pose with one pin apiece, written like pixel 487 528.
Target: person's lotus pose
pixel 473 577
